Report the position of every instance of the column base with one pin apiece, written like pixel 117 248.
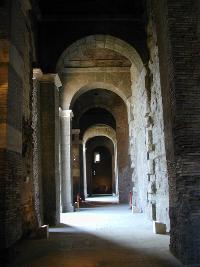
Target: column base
pixel 67 208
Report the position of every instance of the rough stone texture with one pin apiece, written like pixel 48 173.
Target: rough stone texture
pixel 138 149
pixel 49 117
pixel 178 42
pixel 21 52
pixel 155 125
pixel 147 147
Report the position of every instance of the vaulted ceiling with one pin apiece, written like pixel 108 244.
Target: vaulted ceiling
pixel 63 22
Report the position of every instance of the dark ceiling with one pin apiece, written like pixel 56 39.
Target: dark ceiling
pixel 63 22
pixel 91 8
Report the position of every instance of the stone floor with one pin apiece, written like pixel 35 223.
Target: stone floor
pixel 98 235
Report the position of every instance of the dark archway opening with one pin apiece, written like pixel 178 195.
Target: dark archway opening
pixel 100 166
pixel 101 171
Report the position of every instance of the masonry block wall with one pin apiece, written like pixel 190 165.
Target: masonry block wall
pixel 158 180
pixel 138 143
pixel 17 211
pixel 179 44
pixel 49 117
pixel 147 140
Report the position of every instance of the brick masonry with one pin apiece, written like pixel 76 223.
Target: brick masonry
pixel 179 44
pixel 17 206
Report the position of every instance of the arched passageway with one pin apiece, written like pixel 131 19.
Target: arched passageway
pixel 103 72
pixel 99 169
pixel 129 69
pixel 96 114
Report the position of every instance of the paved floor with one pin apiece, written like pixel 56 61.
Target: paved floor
pixel 99 235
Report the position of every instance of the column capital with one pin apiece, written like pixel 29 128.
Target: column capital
pixel 47 77
pixel 67 113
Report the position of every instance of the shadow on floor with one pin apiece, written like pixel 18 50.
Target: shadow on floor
pixel 69 246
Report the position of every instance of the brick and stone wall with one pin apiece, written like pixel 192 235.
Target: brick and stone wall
pixel 158 184
pixel 17 211
pixel 147 140
pixel 179 43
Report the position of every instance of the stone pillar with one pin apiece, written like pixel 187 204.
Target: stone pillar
pixel 66 161
pixel 75 162
pixel 37 170
pixel 49 120
pixel 84 171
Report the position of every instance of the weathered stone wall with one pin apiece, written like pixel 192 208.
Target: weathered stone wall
pixel 138 149
pixel 49 118
pixel 179 42
pixel 147 140
pixel 158 179
pixel 17 211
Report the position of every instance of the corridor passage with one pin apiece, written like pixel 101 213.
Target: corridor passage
pixel 99 235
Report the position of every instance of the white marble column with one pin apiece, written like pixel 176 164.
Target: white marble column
pixel 66 161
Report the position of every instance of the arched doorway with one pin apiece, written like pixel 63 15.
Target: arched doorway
pixel 100 166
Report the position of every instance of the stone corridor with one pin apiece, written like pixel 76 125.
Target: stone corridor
pixel 99 97
pixel 99 235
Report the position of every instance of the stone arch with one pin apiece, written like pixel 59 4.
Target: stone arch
pixel 100 130
pixel 106 107
pixel 90 86
pixel 101 41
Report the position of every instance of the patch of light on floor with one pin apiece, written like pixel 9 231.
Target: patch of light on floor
pixel 114 223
